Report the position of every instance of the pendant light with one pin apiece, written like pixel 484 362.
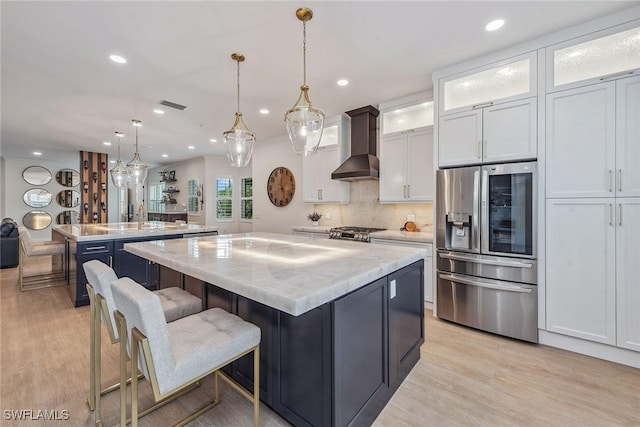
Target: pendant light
pixel 238 142
pixel 136 168
pixel 119 174
pixel 304 122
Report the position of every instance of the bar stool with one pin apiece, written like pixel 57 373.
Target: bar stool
pixel 175 303
pixel 174 355
pixel 31 249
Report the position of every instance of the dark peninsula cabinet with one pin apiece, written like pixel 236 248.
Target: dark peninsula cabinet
pixel 112 253
pixel 340 363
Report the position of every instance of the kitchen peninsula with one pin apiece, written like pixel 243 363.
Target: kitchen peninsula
pixel 105 242
pixel 342 322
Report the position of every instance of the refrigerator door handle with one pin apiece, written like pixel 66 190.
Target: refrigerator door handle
pixel 499 263
pixel 484 210
pixel 481 284
pixel 475 230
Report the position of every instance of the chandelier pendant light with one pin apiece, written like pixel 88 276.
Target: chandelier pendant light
pixel 136 168
pixel 239 140
pixel 304 122
pixel 119 174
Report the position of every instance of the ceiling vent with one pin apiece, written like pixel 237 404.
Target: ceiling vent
pixel 172 105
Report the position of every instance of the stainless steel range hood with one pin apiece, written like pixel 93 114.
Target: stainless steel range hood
pixel 363 163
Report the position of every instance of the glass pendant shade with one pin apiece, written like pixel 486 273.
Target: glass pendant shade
pixel 119 174
pixel 238 143
pixel 239 140
pixel 136 168
pixel 304 123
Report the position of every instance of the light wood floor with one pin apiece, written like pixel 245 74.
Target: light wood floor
pixel 464 378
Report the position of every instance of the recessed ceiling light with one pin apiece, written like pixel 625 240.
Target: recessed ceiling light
pixel 106 143
pixel 165 155
pixel 342 82
pixel 118 59
pixel 264 111
pixel 119 134
pixel 112 161
pixel 494 25
pixel 213 140
pixel 37 153
pixel 137 123
pixel 158 111
pixel 191 147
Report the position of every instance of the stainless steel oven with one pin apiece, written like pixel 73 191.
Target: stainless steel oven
pixel 486 247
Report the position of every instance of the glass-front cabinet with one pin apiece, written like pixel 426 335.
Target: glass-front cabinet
pixel 511 79
pixel 605 55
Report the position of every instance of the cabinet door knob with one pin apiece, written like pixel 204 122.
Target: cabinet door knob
pixel 620 213
pixel 610 181
pixel 620 180
pixel 610 214
pixel 479 148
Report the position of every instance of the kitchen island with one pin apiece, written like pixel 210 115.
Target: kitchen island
pixel 342 322
pixel 104 242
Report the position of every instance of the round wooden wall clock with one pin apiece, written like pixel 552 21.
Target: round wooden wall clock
pixel 281 186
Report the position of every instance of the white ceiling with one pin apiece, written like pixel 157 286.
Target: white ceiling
pixel 61 93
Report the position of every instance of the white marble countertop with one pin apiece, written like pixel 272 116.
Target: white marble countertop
pixel 126 230
pixel 407 236
pixel 293 274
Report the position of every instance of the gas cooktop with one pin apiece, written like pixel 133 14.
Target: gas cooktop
pixel 360 234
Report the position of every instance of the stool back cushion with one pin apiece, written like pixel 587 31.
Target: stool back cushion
pixel 143 310
pixel 100 275
pixel 25 238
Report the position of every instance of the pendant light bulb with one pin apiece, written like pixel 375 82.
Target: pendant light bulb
pixel 239 140
pixel 304 122
pixel 136 168
pixel 119 174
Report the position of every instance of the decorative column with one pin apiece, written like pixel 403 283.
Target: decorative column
pixel 94 184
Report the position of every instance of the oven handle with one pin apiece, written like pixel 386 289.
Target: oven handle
pixel 481 284
pixel 498 263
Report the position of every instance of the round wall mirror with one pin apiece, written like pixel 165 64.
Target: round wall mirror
pixel 68 199
pixel 36 175
pixel 68 177
pixel 68 217
pixel 36 220
pixel 37 197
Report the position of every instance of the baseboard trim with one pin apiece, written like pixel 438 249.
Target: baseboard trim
pixel 589 348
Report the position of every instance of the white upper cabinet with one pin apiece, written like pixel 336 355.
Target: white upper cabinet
pixel 317 185
pixel 628 137
pixel 406 149
pixel 501 132
pixel 489 114
pixel 593 140
pixel 514 78
pixel 580 143
pixel 604 55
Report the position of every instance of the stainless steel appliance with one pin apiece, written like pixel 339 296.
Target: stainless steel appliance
pixel 486 248
pixel 360 234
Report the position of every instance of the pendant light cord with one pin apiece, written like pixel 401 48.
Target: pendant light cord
pixel 304 52
pixel 238 80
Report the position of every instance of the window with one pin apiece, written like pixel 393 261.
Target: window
pixel 246 198
pixel 194 193
pixel 224 201
pixel 155 197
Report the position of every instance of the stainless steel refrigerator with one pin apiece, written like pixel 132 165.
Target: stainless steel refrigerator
pixel 486 248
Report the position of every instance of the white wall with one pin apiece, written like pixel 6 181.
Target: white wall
pixel 268 155
pixel 15 187
pixel 3 186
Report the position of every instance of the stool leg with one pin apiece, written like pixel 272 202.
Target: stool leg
pixel 134 382
pixel 92 351
pixel 97 366
pixel 256 385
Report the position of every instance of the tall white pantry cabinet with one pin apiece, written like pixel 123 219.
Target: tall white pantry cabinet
pixel 593 211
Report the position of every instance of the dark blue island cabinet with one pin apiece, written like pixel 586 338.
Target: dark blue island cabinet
pixel 340 363
pixel 112 253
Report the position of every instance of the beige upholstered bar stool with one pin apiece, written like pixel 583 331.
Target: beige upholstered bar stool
pixel 31 249
pixel 175 303
pixel 174 355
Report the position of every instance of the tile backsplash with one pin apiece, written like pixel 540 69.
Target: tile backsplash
pixel 365 210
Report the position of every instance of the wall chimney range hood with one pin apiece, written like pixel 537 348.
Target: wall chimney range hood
pixel 363 163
